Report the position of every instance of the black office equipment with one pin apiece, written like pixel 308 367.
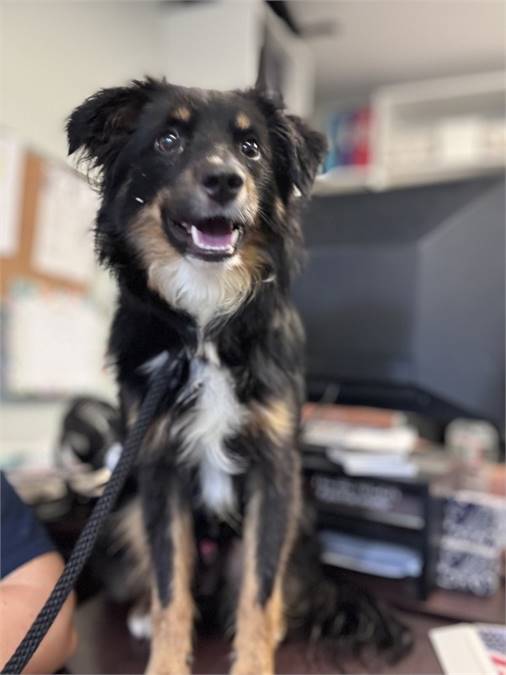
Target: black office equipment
pixel 403 299
pixel 392 511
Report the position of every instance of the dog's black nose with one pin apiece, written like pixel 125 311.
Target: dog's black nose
pixel 222 183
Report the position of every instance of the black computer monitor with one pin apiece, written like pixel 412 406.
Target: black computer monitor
pixel 403 299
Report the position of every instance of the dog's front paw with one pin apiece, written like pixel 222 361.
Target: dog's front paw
pixel 139 625
pixel 169 664
pixel 253 664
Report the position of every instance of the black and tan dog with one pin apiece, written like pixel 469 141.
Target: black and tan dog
pixel 200 196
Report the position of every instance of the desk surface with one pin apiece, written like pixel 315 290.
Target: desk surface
pixel 106 647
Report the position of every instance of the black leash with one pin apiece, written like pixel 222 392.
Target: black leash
pixel 166 381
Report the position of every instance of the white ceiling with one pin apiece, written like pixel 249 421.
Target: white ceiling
pixel 386 41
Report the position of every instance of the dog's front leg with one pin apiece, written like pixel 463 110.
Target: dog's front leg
pixel 169 529
pixel 271 523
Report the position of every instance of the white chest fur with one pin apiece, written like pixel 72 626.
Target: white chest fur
pixel 203 289
pixel 215 417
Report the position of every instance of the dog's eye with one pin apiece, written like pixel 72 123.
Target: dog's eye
pixel 169 142
pixel 250 148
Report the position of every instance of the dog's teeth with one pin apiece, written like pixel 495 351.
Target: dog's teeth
pixel 235 237
pixel 198 240
pixel 195 235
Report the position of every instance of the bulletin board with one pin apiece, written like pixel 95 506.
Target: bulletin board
pixel 37 195
pixel 53 333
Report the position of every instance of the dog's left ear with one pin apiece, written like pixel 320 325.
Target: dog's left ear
pixel 305 153
pixel 298 149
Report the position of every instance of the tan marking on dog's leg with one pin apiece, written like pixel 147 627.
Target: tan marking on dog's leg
pixel 171 645
pixel 275 419
pixel 129 534
pixel 259 628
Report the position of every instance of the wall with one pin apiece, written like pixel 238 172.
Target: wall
pixel 54 54
pixel 214 45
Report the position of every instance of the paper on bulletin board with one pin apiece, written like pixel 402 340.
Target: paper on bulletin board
pixel 11 181
pixel 54 344
pixel 63 242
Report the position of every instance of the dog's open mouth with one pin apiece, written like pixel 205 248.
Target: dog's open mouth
pixel 212 238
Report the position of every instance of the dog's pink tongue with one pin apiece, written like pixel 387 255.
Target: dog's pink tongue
pixel 205 240
pixel 213 234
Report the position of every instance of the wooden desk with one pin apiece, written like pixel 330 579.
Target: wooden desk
pixel 449 606
pixel 105 646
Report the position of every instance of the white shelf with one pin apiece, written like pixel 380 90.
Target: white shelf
pixel 443 173
pixel 339 180
pixel 352 180
pixel 429 132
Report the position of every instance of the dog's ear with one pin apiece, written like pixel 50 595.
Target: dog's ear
pixel 100 125
pixel 305 150
pixel 298 149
